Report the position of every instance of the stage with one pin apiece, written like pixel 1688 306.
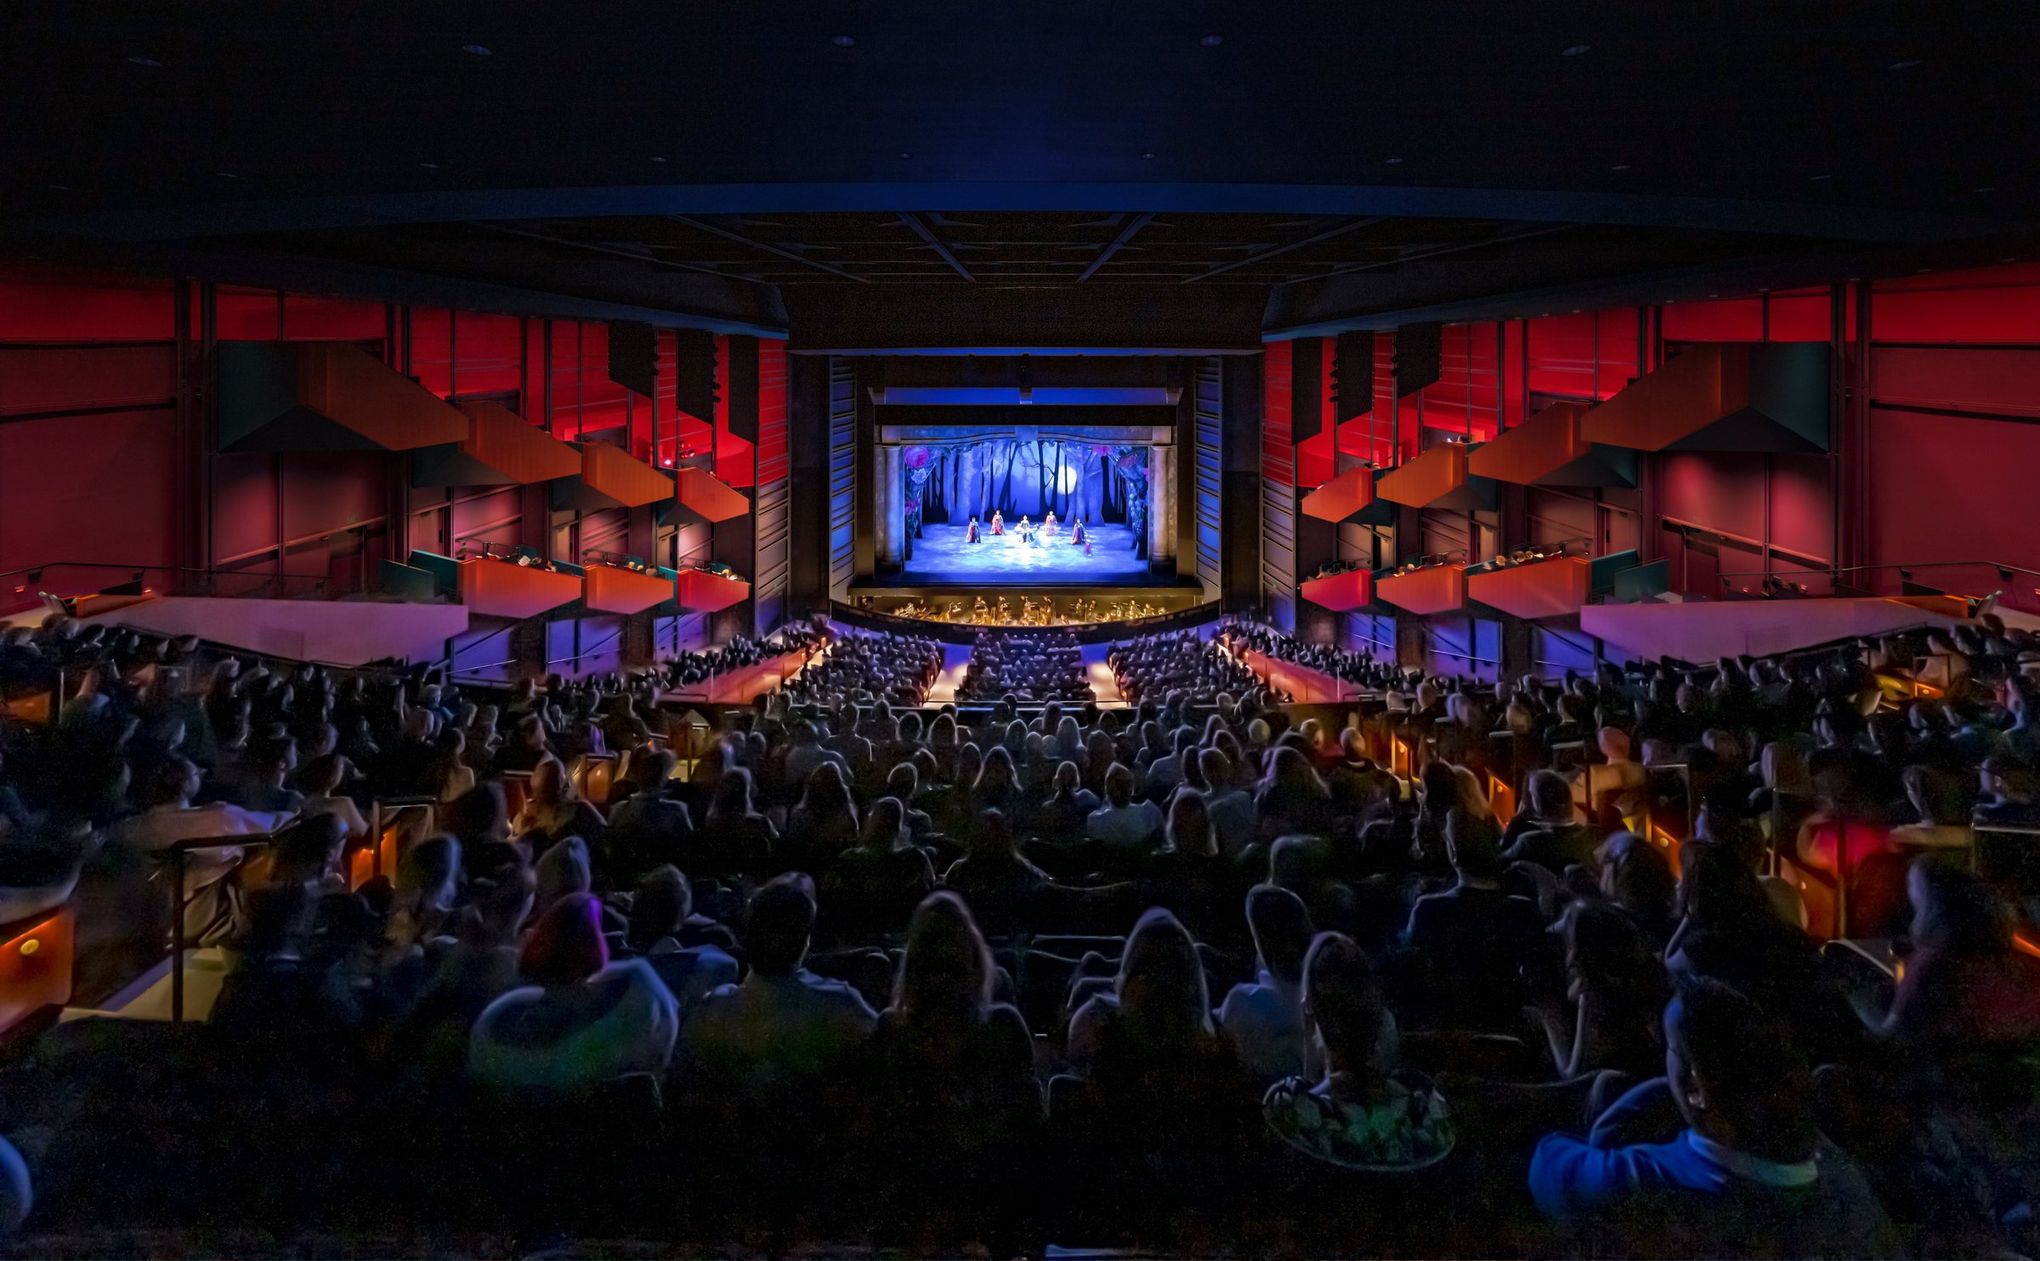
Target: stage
pixel 942 557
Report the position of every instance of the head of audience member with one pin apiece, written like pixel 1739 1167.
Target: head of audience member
pixel 428 875
pixel 1550 799
pixel 732 798
pixel 1473 844
pixel 1188 828
pixel 945 971
pixel 550 784
pixel 885 825
pixel 565 945
pixel 1119 786
pixel 1344 998
pixel 1292 776
pixel 1280 924
pixel 1636 876
pixel 662 903
pixel 1161 986
pixel 1608 958
pixel 564 869
pixel 1746 1102
pixel 779 920
pixel 2005 779
pixel 827 795
pixel 653 770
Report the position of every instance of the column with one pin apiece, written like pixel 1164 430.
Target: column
pixel 891 504
pixel 1161 522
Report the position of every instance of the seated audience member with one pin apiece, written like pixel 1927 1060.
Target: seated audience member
pixel 871 886
pixel 1123 825
pixel 1471 939
pixel 782 1028
pixel 994 875
pixel 1546 830
pixel 1614 993
pixel 1293 798
pixel 658 924
pixel 649 827
pixel 1940 812
pixel 734 839
pixel 1063 817
pixel 555 809
pixel 1359 1113
pixel 1231 807
pixel 1636 876
pixel 581 1020
pixel 954 1092
pixel 1966 994
pixel 431 1038
pixel 1263 1018
pixel 171 817
pixel 1749 1176
pixel 322 778
pixel 2007 783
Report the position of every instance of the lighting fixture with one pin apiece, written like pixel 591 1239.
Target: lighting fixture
pixel 1575 50
pixel 146 63
pixel 428 166
pixel 903 155
pixel 1817 179
pixel 1619 166
pixel 1212 41
pixel 1392 161
pixel 58 188
pixel 844 41
pixel 1149 157
pixel 658 159
pixel 226 175
pixel 1907 64
pixel 1984 188
pixel 477 50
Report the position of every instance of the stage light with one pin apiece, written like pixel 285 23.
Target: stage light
pixel 1575 50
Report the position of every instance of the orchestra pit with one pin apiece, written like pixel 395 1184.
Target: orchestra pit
pixel 1147 630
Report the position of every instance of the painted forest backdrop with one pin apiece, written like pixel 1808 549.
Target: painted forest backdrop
pixel 951 483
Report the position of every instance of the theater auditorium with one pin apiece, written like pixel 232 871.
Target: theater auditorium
pixel 1141 630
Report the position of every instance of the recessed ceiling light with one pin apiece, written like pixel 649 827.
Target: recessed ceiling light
pixel 1713 295
pixel 1984 188
pixel 1816 179
pixel 1147 157
pixel 1907 64
pixel 843 41
pixel 429 166
pixel 65 188
pixel 1619 166
pixel 1575 310
pixel 1392 161
pixel 477 50
pixel 903 155
pixel 147 63
pixel 658 159
pixel 1575 50
pixel 1212 41
pixel 1921 271
pixel 1669 301
pixel 226 175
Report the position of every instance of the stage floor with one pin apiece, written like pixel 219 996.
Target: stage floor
pixel 942 556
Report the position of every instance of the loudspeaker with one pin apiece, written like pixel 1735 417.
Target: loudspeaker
pixel 1353 375
pixel 694 375
pixel 1416 358
pixel 634 357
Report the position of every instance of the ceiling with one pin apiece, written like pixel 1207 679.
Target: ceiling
pixel 1358 164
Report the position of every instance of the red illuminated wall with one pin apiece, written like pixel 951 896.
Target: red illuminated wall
pixel 91 467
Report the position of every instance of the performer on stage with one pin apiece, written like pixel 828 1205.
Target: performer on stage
pixel 1077 536
pixel 1048 525
pixel 971 532
pixel 998 522
pixel 1026 529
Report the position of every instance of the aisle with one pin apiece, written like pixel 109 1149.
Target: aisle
pixel 1103 686
pixel 954 658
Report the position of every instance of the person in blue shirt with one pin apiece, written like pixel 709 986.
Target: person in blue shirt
pixel 1748 1176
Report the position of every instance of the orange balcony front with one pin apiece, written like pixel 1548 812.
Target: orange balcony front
pixel 1545 588
pixel 708 497
pixel 1339 499
pixel 500 588
pixel 704 592
pixel 1341 593
pixel 1438 589
pixel 614 589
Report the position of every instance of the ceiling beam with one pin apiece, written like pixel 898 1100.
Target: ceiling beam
pixel 596 247
pixel 792 256
pixel 1276 251
pixel 927 234
pixel 1440 251
pixel 1126 234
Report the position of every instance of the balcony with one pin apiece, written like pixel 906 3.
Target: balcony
pixel 703 592
pixel 1342 498
pixel 501 449
pixel 614 588
pixel 1432 589
pixel 1341 593
pixel 1722 396
pixel 1554 587
pixel 1549 449
pixel 496 587
pixel 325 396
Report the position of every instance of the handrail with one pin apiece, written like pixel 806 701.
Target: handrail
pixel 252 571
pixel 178 853
pixel 1999 565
